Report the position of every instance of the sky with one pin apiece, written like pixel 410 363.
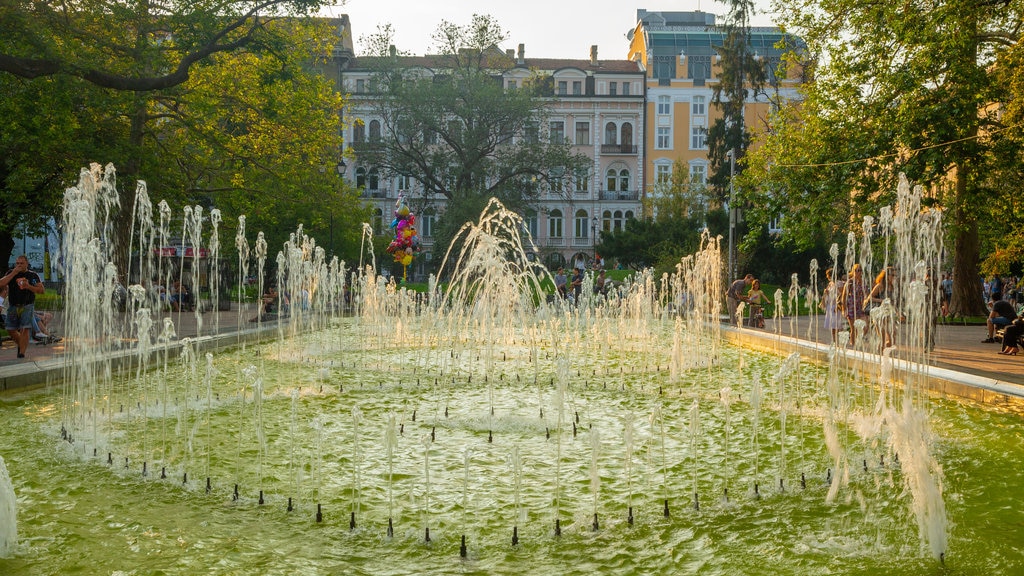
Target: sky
pixel 548 28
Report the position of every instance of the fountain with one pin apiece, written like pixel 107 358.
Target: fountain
pixel 480 428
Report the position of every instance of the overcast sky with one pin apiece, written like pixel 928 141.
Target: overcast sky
pixel 549 28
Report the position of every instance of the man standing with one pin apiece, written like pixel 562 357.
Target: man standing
pixel 560 281
pixel 23 286
pixel 735 295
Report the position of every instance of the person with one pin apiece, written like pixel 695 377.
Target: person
pixel 23 285
pixel 851 300
pixel 1011 337
pixel 884 321
pixel 41 328
pixel 560 281
pixel 735 295
pixel 1002 314
pixel 180 297
pixel 577 284
pixel 599 283
pixel 947 293
pixel 829 304
pixel 757 299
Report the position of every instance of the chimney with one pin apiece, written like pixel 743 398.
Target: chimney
pixel 392 50
pixel 510 53
pixel 593 55
pixel 522 54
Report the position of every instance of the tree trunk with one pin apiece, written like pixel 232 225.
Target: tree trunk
pixel 967 295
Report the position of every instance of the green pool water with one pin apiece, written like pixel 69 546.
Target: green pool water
pixel 516 435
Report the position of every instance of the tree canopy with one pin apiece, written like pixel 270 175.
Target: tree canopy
pixel 912 88
pixel 457 130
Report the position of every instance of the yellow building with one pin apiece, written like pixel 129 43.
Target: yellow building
pixel 679 52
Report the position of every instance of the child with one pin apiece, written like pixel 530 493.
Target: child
pixel 757 299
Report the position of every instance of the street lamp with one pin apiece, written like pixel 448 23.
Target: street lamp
pixel 593 233
pixel 732 213
pixel 340 168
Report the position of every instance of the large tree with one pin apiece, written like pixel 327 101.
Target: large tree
pixel 458 131
pixel 216 104
pixel 906 88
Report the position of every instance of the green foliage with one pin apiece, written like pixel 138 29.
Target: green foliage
pixel 658 243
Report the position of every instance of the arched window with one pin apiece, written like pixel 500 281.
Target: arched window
pixel 555 224
pixel 606 221
pixel 530 221
pixel 580 224
pixel 624 181
pixel 611 180
pixel 359 132
pixel 374 179
pixel 629 215
pixel 609 133
pixel 626 132
pixel 360 177
pixel 374 131
pixel 617 220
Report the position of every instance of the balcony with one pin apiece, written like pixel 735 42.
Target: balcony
pixel 630 149
pixel 626 196
pixel 583 242
pixel 374 193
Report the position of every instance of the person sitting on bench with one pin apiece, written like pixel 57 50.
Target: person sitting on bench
pixel 1002 315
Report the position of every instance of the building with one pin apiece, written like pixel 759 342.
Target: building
pixel 679 52
pixel 596 104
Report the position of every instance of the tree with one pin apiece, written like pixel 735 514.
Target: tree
pixel 214 105
pixel 742 75
pixel 904 88
pixel 458 130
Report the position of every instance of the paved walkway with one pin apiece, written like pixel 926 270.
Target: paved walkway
pixel 957 347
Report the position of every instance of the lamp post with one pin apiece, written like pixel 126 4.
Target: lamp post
pixel 341 167
pixel 593 233
pixel 732 214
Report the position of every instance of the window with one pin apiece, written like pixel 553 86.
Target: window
pixel 624 181
pixel 556 130
pixel 697 108
pixel 613 88
pixel 698 174
pixel 577 88
pixel 404 182
pixel 662 173
pixel 664 138
pixel 378 221
pixel 606 221
pixel 627 134
pixel 664 68
pixel 610 133
pixel 373 179
pixel 530 222
pixel 664 105
pixel 531 133
pixel 359 133
pixel 625 88
pixel 360 86
pixel 563 87
pixel 555 224
pixel 698 138
pixel 360 177
pixel 617 220
pixel 583 133
pixel 582 179
pixel 429 136
pixel 556 179
pixel 610 180
pixel 580 224
pixel 374 131
pixel 698 68
pixel 512 85
pixel 426 225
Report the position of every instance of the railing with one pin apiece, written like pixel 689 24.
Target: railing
pixel 608 195
pixel 584 241
pixel 374 193
pixel 618 149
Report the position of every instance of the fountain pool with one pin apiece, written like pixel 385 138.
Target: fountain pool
pixel 482 430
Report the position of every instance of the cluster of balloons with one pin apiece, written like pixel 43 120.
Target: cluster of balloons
pixel 406 242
